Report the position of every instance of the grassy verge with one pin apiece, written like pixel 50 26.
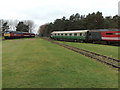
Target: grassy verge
pixel 111 51
pixel 36 63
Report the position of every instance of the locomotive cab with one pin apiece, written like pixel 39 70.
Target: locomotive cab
pixel 7 34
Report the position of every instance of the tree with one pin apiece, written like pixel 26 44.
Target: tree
pixel 82 22
pixel 94 21
pixel 30 24
pixel 118 22
pixel 49 29
pixel 58 25
pixel 76 22
pixel 111 22
pixel 22 27
pixel 5 26
pixel 41 30
pixel 12 24
pixel 115 23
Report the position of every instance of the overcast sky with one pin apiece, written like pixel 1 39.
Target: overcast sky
pixel 44 11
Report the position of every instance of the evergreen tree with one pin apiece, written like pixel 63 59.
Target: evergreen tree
pixel 22 27
pixel 94 21
pixel 5 26
pixel 82 22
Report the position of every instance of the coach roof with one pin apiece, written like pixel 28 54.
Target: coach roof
pixel 76 31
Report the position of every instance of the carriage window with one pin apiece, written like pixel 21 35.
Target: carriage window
pixel 62 34
pixel 83 34
pixel 58 34
pixel 75 34
pixel 55 34
pixel 109 33
pixel 70 34
pixel 80 34
pixel 66 34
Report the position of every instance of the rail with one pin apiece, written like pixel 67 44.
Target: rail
pixel 104 59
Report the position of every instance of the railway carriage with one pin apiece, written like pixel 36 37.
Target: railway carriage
pixel 69 35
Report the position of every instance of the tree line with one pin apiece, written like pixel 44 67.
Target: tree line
pixel 15 25
pixel 81 22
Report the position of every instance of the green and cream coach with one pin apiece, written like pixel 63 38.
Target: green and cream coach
pixel 70 35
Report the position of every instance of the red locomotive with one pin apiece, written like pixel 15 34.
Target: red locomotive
pixel 17 34
pixel 108 37
pixel 111 36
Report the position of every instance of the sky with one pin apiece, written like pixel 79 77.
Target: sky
pixel 45 11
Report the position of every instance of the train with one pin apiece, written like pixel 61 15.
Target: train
pixel 88 36
pixel 17 34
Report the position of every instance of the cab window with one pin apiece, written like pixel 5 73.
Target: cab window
pixel 109 33
pixel 7 32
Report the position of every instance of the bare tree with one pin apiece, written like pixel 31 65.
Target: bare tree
pixel 12 24
pixel 2 21
pixel 31 25
pixel 38 30
pixel 41 30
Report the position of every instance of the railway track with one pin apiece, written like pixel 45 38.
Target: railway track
pixel 104 59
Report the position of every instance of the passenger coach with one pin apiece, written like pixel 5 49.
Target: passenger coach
pixel 70 35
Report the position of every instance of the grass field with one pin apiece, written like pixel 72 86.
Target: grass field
pixel 111 51
pixel 36 63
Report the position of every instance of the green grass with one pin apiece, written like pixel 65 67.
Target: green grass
pixel 111 51
pixel 37 63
